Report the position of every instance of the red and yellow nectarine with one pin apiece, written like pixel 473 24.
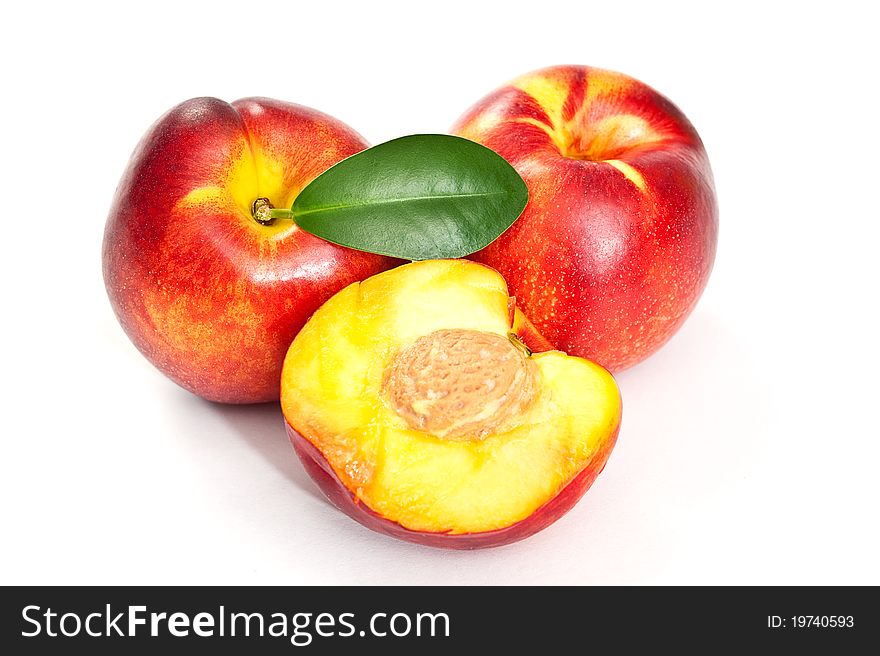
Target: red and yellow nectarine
pixel 421 403
pixel 618 239
pixel 206 285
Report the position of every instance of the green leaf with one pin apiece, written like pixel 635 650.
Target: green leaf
pixel 419 197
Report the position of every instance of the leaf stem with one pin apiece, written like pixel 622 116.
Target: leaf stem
pixel 280 213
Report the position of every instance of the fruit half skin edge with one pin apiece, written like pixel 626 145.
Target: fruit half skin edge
pixel 322 473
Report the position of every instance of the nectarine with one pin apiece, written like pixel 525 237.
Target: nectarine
pixel 204 281
pixel 423 405
pixel 618 239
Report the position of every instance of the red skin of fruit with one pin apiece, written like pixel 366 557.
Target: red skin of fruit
pixel 322 473
pixel 209 296
pixel 608 259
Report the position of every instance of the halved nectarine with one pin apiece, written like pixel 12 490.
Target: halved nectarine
pixel 427 407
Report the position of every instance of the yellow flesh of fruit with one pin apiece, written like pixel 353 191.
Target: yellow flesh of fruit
pixel 333 395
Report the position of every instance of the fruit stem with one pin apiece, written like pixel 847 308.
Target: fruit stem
pixel 518 343
pixel 265 214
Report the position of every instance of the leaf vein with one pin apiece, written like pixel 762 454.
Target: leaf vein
pixel 392 201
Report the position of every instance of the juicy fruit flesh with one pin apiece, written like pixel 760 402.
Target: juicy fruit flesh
pixel 460 384
pixel 333 394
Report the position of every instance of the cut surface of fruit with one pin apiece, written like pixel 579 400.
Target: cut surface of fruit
pixel 421 400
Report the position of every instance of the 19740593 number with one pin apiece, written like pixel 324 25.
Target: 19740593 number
pixel 822 621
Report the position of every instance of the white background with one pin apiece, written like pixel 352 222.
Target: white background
pixel 750 444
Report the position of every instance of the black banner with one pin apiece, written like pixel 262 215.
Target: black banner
pixel 45 620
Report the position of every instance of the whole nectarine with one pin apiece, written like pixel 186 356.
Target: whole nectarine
pixel 618 239
pixel 204 281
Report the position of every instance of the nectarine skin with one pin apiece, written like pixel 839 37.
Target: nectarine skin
pixel 340 496
pixel 211 297
pixel 618 239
